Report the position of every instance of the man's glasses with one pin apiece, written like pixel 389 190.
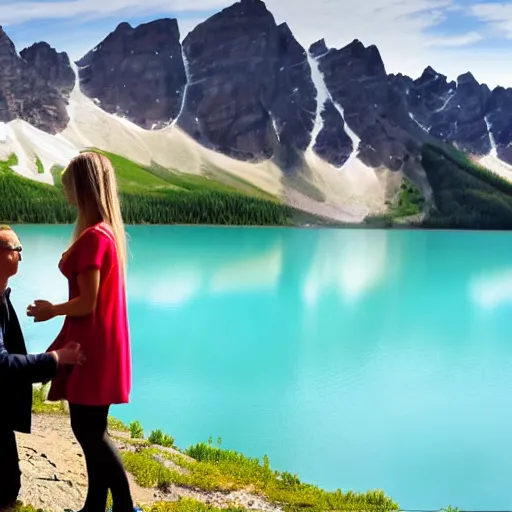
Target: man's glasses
pixel 8 247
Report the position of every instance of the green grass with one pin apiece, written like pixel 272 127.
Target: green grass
pixel 21 507
pixel 407 203
pixel 190 505
pixel 184 505
pixel 10 162
pixel 56 171
pixel 134 178
pixel 236 472
pixel 39 404
pixel 117 425
pixel 150 195
pixel 39 165
pixel 409 200
pixel 158 180
pixel 211 468
pixel 216 469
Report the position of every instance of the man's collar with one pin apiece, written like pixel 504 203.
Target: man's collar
pixel 5 295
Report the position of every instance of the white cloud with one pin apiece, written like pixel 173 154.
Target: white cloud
pixel 497 15
pixel 463 40
pixel 188 24
pixel 486 66
pixel 17 11
pixel 404 30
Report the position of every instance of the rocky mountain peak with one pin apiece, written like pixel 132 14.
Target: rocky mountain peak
pixel 242 10
pixel 250 93
pixel 253 4
pixel 429 74
pixel 468 86
pixel 288 45
pixel 26 94
pixel 366 57
pixel 144 37
pixel 319 48
pixel 53 66
pixel 467 79
pixel 137 72
pixel 243 85
pixel 429 71
pixel 6 45
pixel 123 28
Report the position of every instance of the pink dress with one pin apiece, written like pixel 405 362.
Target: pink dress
pixel 105 377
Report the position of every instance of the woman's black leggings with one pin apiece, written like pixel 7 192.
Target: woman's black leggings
pixel 104 467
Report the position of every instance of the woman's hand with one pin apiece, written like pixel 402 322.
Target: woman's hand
pixel 42 310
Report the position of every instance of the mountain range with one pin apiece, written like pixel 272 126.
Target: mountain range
pixel 325 130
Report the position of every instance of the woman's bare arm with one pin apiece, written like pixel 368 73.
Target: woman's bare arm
pixel 83 305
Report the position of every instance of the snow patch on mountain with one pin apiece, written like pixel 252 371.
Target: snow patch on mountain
pixel 185 90
pixel 350 195
pixel 423 127
pixel 28 144
pixel 447 100
pixel 491 161
pixel 322 96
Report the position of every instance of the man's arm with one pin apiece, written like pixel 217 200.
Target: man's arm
pixel 32 368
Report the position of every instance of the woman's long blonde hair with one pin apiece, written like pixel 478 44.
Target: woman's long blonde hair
pixel 89 182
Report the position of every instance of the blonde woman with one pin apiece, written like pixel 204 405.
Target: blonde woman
pixel 96 317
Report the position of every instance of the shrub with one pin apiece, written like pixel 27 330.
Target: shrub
pixel 159 438
pixel 136 430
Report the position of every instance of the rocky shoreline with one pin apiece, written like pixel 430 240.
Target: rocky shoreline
pixel 54 478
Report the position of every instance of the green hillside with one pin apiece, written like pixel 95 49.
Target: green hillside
pixel 404 208
pixel 151 195
pixel 466 195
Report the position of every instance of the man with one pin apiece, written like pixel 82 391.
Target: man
pixel 18 371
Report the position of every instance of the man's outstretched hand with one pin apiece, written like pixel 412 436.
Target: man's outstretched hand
pixel 71 354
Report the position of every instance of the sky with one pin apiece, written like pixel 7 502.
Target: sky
pixel 453 36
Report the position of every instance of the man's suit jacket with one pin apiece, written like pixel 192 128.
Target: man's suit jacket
pixel 18 370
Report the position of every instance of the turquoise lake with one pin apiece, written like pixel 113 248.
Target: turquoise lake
pixel 358 359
